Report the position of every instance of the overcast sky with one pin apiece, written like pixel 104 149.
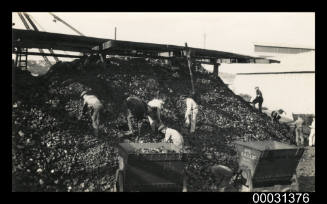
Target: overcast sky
pixel 233 32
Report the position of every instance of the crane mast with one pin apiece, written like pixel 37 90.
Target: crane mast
pixel 28 28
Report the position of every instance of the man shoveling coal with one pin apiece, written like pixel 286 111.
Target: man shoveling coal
pixel 136 108
pixel 93 104
pixel 191 112
pixel 171 135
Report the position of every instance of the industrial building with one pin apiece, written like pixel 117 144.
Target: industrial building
pixel 279 50
pixel 289 85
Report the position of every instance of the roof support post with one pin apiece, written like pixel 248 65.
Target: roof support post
pixel 16 61
pixel 215 67
pixel 189 62
pixel 86 60
pixel 102 59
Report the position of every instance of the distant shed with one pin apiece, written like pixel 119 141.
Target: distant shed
pixel 289 85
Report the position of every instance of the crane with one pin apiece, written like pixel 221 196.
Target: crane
pixel 74 29
pixel 64 22
pixel 28 28
pixel 36 29
pixel 56 18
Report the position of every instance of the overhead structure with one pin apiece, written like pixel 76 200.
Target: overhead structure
pixel 168 51
pixel 56 41
pixel 84 44
pixel 102 47
pixel 36 29
pixel 23 50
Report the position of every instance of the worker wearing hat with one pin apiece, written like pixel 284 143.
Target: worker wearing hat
pixel 155 111
pixel 171 135
pixel 258 99
pixel 191 113
pixel 312 133
pixel 93 103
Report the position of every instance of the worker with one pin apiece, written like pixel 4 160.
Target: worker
pixel 312 133
pixel 92 103
pixel 171 135
pixel 223 176
pixel 137 108
pixel 154 115
pixel 134 107
pixel 299 139
pixel 276 115
pixel 258 99
pixel 191 113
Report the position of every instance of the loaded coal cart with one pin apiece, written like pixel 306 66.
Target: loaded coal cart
pixel 150 167
pixel 268 164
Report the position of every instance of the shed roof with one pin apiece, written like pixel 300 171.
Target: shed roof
pixel 283 45
pixel 57 41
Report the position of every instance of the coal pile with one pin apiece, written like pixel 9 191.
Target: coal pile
pixel 53 151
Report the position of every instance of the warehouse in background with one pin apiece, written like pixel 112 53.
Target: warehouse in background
pixel 289 85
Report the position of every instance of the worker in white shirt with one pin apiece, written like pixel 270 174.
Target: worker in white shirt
pixel 92 103
pixel 312 133
pixel 154 115
pixel 191 113
pixel 299 139
pixel 172 135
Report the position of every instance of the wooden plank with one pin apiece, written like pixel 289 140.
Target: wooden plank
pixel 34 39
pixel 49 54
pixel 54 45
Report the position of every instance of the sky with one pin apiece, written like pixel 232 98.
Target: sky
pixel 233 32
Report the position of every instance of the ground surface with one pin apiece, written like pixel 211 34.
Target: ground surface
pixel 53 151
pixel 306 170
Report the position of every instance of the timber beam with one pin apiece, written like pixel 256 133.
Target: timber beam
pixel 49 54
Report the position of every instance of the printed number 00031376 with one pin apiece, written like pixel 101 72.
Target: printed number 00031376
pixel 280 198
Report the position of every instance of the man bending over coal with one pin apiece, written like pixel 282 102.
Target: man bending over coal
pixel 135 107
pixel 92 103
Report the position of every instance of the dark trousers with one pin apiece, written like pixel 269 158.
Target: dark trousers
pixel 275 117
pixel 258 100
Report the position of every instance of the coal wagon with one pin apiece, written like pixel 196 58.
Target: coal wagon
pixel 150 167
pixel 269 164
